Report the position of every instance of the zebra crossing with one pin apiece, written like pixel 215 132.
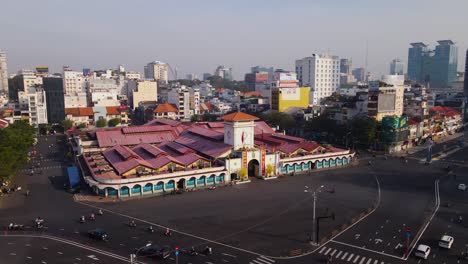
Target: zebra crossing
pixel 348 257
pixel 262 260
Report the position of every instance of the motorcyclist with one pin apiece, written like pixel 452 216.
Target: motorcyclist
pixel 460 219
pixel 193 252
pixel 82 219
pixel 92 217
pixel 132 223
pixel 150 229
pixel 168 232
pixel 208 250
pixel 100 212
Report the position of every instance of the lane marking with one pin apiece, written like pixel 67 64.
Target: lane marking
pixel 362 260
pixel 366 249
pixel 326 253
pixel 229 255
pixel 323 249
pixel 369 261
pixel 356 259
pixel 339 254
pixel 421 231
pixel 350 257
pixel 333 252
pixel 270 260
pixel 344 255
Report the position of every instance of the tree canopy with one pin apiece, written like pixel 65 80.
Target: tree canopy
pixel 101 123
pixel 114 122
pixel 15 142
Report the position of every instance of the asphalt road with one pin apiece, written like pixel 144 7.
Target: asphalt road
pixel 264 222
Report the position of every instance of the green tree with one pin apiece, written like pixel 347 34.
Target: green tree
pixel 283 120
pixel 364 129
pixel 101 123
pixel 114 122
pixel 67 124
pixel 81 125
pixel 195 118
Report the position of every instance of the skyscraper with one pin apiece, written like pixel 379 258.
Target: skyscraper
pixel 444 64
pixel 321 73
pixel 396 67
pixel 466 74
pixel 418 62
pixel 359 74
pixel 3 73
pixel 436 68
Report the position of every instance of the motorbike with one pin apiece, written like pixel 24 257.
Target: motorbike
pixel 15 227
pixel 150 229
pixel 82 219
pixel 193 252
pixel 132 224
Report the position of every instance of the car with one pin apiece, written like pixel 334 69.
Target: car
pixel 462 187
pixel 446 242
pixel 422 251
pixel 98 234
pixel 154 251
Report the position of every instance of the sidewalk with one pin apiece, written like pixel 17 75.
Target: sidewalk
pixel 423 147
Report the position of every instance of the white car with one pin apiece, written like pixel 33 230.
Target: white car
pixel 446 242
pixel 423 251
pixel 462 187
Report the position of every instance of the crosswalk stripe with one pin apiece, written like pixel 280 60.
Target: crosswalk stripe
pixel 263 260
pixel 339 254
pixel 356 259
pixel 333 253
pixel 350 257
pixel 344 255
pixel 323 249
pixel 369 261
pixel 326 253
pixel 257 262
pixel 270 260
pixel 376 262
pixel 362 260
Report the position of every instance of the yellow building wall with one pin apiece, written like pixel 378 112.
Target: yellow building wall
pixel 281 102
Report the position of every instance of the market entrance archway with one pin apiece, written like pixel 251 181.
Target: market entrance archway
pixel 253 168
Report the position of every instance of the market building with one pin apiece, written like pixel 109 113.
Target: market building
pixel 167 156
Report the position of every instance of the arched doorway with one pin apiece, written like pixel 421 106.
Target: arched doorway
pixel 181 184
pixel 253 168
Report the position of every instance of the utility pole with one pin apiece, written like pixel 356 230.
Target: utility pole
pixel 314 195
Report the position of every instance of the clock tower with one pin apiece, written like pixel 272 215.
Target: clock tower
pixel 239 130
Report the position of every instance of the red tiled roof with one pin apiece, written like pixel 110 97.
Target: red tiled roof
pixel 289 148
pixel 163 121
pixel 79 111
pixel 113 110
pixel 166 108
pixel 205 132
pixel 123 159
pixel 147 151
pixel 189 158
pixel 3 123
pixel 176 148
pixel 146 129
pixel 239 116
pixel 202 145
pixel 253 93
pixel 444 110
pixel 108 138
pixel 206 107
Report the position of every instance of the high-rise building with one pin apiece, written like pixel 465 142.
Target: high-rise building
pixel 103 92
pixel 444 66
pixel 206 76
pixel 359 74
pixel 74 88
pixel 435 68
pixel 396 67
pixel 158 71
pixel 224 72
pixel 21 82
pixel 321 73
pixel 466 74
pixel 185 99
pixel 53 87
pixel 3 73
pixel 345 66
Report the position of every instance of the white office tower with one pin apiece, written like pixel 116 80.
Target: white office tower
pixel 157 70
pixel 74 88
pixel 321 73
pixel 33 104
pixel 3 74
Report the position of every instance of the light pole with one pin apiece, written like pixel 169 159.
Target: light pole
pixel 314 195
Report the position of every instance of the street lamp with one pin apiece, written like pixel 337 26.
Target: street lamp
pixel 314 195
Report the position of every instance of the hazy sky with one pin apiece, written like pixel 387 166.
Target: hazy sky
pixel 196 36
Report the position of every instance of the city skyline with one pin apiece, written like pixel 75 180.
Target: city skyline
pixel 198 37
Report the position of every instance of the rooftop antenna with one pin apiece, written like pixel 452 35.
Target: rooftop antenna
pixel 366 76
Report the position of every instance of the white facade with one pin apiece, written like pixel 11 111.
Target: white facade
pixel 195 101
pixel 139 91
pixel 131 75
pixel 76 100
pixel 3 73
pixel 239 134
pixel 33 102
pixel 103 92
pixel 224 72
pixel 321 73
pixel 73 82
pixel 180 97
pixel 157 70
